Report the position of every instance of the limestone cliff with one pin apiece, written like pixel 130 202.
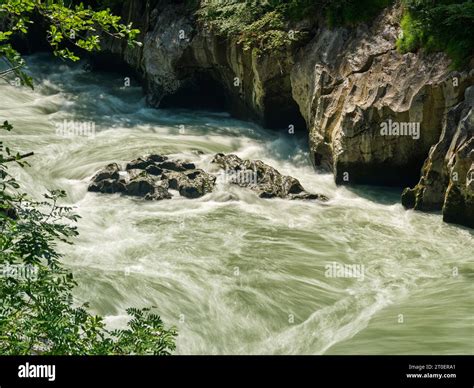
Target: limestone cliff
pixel 349 82
pixel 184 63
pixel 343 86
pixel 447 179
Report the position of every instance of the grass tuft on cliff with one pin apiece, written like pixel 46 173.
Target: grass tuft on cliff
pixel 445 26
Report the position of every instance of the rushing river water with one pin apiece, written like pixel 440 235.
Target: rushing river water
pixel 233 272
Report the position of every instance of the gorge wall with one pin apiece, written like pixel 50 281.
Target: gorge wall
pixel 373 115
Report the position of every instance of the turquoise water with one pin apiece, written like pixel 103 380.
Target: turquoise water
pixel 233 272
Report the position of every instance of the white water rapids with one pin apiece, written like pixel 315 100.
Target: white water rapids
pixel 233 272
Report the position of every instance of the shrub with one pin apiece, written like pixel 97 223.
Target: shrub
pixel 38 314
pixel 444 26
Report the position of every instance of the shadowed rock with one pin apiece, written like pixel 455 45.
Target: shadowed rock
pixel 265 180
pixel 192 184
pixel 447 179
pixel 154 170
pixel 108 180
pixel 140 186
pixel 107 186
pixel 111 171
pixel 151 177
pixel 143 163
pixel 139 164
pixel 159 193
pixel 176 165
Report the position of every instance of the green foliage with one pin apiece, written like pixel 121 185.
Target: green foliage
pixel 352 12
pixel 444 26
pixel 270 25
pixel 300 9
pixel 412 32
pixel 75 26
pixel 267 33
pixel 260 25
pixel 38 314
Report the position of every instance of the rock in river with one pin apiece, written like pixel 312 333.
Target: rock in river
pixel 152 176
pixel 266 181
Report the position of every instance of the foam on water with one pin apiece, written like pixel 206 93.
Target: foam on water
pixel 236 273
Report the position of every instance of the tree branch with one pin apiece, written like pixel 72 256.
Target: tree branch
pixel 14 158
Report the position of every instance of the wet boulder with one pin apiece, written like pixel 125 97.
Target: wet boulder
pixel 228 162
pixel 156 158
pixel 139 164
pixel 108 186
pixel 111 171
pixel 154 170
pixel 308 196
pixel 151 177
pixel 192 184
pixel 173 178
pixel 135 173
pixel 176 165
pixel 159 193
pixel 195 188
pixel 140 186
pixel 108 180
pixel 263 179
pixel 143 163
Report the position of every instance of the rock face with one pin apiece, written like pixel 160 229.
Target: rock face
pixel 263 179
pixel 447 180
pixel 183 64
pixel 349 84
pixel 372 115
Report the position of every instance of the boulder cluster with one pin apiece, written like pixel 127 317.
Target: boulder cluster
pixel 266 181
pixel 153 176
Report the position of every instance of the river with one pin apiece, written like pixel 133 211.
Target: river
pixel 234 273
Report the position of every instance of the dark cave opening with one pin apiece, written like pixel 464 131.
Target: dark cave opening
pixel 282 112
pixel 109 62
pixel 201 91
pixel 205 90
